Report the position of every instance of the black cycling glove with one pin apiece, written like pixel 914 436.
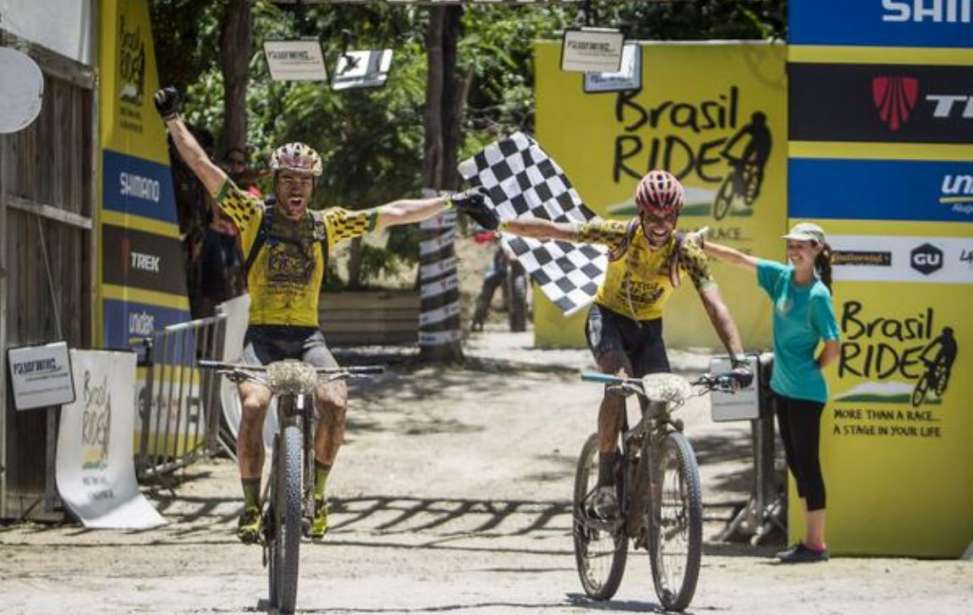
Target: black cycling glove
pixel 473 204
pixel 741 371
pixel 167 102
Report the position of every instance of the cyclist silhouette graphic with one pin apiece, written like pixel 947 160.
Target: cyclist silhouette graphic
pixel 747 170
pixel 938 369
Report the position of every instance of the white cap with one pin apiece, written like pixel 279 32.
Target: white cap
pixel 806 231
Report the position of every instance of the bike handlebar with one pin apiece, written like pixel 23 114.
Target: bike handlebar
pixel 727 382
pixel 361 370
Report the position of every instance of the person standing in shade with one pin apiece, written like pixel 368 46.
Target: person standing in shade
pixel 803 316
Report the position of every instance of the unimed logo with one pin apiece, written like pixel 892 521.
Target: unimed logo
pixel 895 98
pixel 926 259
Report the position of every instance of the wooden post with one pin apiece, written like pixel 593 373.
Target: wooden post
pixel 439 327
pixel 235 65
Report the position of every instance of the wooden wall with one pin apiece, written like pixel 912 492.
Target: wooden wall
pixel 49 203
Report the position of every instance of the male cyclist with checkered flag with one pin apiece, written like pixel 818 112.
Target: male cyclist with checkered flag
pixel 287 247
pixel 647 259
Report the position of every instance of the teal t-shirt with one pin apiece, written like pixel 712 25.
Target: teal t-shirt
pixel 803 316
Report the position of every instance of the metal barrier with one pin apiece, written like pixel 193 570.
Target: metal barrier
pixel 179 407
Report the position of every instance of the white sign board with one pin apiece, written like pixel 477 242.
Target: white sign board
pixel 628 78
pixel 744 405
pixel 41 375
pixel 362 69
pixel 592 50
pixel 295 60
pixel 21 90
pixel 95 466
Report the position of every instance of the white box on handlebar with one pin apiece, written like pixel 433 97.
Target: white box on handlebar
pixel 744 405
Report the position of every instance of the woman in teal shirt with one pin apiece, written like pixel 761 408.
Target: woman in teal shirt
pixel 803 316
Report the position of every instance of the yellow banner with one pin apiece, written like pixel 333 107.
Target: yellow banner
pixel 129 77
pixel 713 114
pixel 896 433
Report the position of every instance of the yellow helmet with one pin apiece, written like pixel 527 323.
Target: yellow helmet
pixel 296 157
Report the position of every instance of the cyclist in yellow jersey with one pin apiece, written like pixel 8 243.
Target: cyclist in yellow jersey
pixel 286 246
pixel 647 260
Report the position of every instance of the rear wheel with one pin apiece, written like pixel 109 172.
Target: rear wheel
pixel 676 532
pixel 285 550
pixel 599 554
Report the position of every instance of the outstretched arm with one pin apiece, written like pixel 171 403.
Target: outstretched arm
pixel 407 211
pixel 541 229
pixel 212 177
pixel 730 255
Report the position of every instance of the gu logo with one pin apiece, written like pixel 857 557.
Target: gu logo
pixel 927 259
pixel 895 97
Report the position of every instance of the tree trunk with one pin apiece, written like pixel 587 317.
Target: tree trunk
pixel 235 65
pixel 439 337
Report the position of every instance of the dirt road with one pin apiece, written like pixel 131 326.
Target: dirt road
pixel 450 496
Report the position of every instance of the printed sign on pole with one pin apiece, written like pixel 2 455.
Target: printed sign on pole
pixel 629 77
pixel 362 69
pixel 295 60
pixel 592 50
pixel 41 376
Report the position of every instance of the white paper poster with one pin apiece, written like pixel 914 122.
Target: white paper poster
pixel 95 459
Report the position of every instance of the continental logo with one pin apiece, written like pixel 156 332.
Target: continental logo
pixel 881 103
pixel 861 258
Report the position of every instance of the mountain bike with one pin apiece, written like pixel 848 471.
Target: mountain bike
pixel 289 496
pixel 743 181
pixel 658 490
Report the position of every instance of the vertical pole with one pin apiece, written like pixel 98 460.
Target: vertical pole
pixel 3 324
pixel 439 330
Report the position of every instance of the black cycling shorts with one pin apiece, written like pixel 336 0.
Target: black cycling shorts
pixel 639 340
pixel 265 344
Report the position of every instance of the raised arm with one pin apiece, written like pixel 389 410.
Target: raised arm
pixel 212 176
pixel 407 211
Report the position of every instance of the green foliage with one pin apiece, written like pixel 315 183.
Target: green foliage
pixel 372 140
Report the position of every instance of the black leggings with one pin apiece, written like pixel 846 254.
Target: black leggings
pixel 799 421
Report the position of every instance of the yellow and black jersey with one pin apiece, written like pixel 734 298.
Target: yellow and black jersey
pixel 284 279
pixel 637 283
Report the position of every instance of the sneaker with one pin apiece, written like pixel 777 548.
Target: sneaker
pixel 602 503
pixel 250 526
pixel 319 525
pixel 788 551
pixel 804 555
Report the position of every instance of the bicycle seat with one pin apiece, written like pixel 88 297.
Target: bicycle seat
pixel 291 376
pixel 668 388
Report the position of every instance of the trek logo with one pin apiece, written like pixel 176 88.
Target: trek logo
pixel 936 11
pixel 952 105
pixel 895 98
pixel 926 259
pixel 145 262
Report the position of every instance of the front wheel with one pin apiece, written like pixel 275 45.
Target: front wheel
pixel 676 526
pixel 599 554
pixel 286 504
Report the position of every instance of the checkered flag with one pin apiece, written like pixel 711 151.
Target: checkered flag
pixel 522 181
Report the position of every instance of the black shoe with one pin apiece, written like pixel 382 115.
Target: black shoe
pixel 804 555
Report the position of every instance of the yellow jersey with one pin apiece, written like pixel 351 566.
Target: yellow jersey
pixel 284 280
pixel 637 284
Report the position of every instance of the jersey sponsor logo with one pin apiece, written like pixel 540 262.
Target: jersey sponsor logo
pixel 935 11
pixel 926 259
pixel 850 102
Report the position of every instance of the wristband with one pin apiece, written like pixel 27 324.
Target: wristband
pixel 449 203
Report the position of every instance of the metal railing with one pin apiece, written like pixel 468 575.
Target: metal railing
pixel 178 406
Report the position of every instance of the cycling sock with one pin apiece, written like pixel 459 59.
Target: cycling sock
pixel 321 471
pixel 606 468
pixel 251 492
